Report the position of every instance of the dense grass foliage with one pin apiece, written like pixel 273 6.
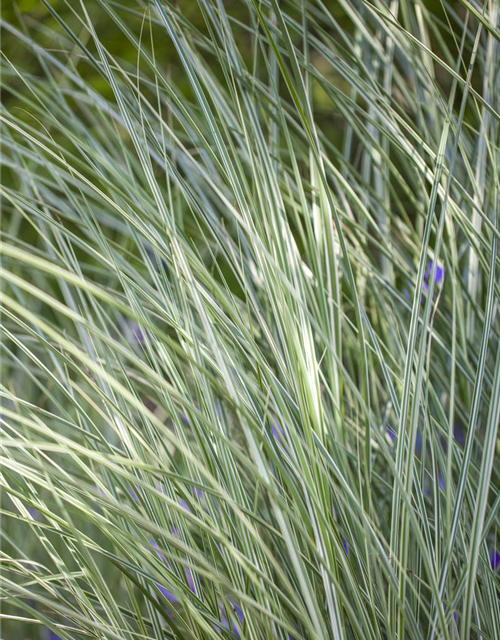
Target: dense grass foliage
pixel 250 365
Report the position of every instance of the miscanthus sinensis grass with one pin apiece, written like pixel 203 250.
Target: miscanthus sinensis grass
pixel 250 337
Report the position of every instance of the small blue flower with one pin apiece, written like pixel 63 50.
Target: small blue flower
pixel 418 443
pixel 277 431
pixel 189 579
pixel 290 637
pixel 189 576
pixel 438 279
pixel 168 595
pixel 455 619
pixel 438 276
pixel 494 559
pixel 459 435
pixel 33 513
pixel 51 635
pixel 132 332
pixel 138 333
pixel 154 544
pixel 344 541
pixel 391 434
pixel 198 493
pixel 133 495
pixel 440 482
pixel 239 613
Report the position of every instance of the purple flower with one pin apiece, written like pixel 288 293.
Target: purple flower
pixel 438 276
pixel 137 333
pixel 168 595
pixel 418 443
pixel 440 482
pixel 99 491
pixel 132 332
pixel 198 493
pixel 391 434
pixel 225 623
pixel 51 635
pixel 238 611
pixel 494 559
pixel 290 637
pixel 189 579
pixel 277 432
pixel 455 617
pixel 459 435
pixel 154 544
pixel 189 575
pixel 133 495
pixel 429 479
pixel 33 513
pixel 438 279
pixel 344 541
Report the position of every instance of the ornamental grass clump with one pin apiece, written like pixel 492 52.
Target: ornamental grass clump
pixel 250 354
